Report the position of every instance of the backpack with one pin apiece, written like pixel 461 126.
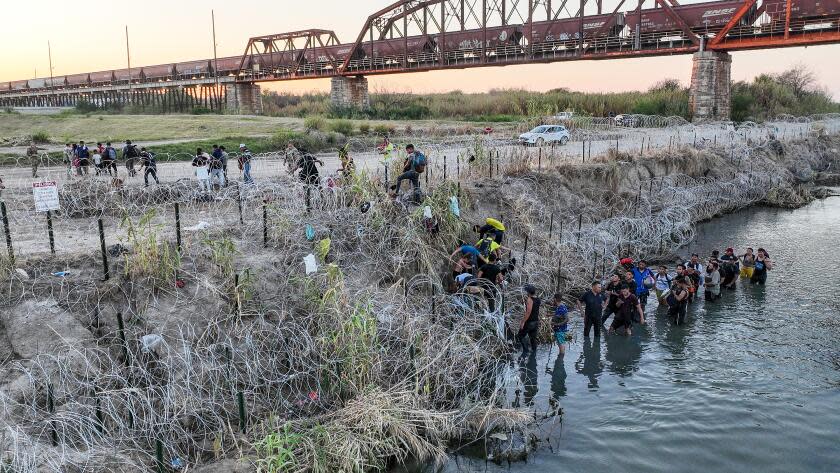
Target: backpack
pixel 419 162
pixel 671 300
pixel 111 153
pixel 484 246
pixel 131 152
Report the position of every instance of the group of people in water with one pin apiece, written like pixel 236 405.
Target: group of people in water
pixel 624 296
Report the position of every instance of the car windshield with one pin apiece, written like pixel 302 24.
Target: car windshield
pixel 539 129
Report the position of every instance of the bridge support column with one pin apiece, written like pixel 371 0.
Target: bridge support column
pixel 243 99
pixel 708 97
pixel 350 92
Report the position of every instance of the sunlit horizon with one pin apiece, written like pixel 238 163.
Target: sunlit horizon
pixel 166 32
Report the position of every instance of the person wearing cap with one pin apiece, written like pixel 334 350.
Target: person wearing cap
pixel 560 323
pixel 530 325
pixel 34 159
pixel 245 158
pixel 592 304
pixel 201 163
pixel 492 227
pixel 643 277
pixel 729 265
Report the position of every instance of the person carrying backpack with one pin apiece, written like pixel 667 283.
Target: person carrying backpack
pixel 415 164
pixel 148 161
pixel 109 159
pixel 663 283
pixel 130 154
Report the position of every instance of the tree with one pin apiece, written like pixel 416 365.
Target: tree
pixel 799 78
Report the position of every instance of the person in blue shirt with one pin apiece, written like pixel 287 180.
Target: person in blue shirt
pixel 471 253
pixel 560 323
pixel 644 281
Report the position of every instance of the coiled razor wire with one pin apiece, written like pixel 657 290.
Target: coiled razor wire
pixel 104 402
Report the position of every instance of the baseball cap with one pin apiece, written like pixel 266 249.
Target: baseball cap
pixel 242 146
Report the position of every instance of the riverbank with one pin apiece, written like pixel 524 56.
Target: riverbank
pixel 357 365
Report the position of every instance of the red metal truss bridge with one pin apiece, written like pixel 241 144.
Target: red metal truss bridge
pixel 425 35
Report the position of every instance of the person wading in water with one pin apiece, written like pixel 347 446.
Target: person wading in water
pixel 762 265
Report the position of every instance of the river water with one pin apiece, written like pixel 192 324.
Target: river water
pixel 750 383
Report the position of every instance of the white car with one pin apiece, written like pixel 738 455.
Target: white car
pixel 545 134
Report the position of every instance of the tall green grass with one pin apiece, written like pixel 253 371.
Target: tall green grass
pixel 792 92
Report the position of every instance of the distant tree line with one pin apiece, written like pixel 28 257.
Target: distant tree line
pixel 793 92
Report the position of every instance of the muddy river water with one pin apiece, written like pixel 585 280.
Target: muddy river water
pixel 749 383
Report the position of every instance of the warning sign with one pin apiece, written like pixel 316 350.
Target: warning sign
pixel 45 195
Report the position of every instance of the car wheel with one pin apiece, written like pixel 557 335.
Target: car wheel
pixel 539 142
pixel 564 140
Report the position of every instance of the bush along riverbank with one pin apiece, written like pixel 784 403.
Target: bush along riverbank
pixel 221 350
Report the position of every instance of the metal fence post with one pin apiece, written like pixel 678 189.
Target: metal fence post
pixel 106 273
pixel 8 232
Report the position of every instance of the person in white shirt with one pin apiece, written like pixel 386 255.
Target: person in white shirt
pixel 201 163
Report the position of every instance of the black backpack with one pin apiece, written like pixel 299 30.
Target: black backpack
pixel 131 152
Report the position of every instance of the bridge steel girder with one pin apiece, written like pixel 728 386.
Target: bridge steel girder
pixel 261 50
pixel 803 39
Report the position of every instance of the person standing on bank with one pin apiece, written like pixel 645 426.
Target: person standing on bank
pixel 592 304
pixel 245 158
pixel 530 326
pixel 34 158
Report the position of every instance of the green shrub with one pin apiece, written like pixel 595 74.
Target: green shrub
pixel 41 136
pixel 364 128
pixel 316 123
pixel 302 141
pixel 383 129
pixel 345 127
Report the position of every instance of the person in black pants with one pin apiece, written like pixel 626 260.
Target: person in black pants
pixel 147 160
pixel 530 326
pixel 592 304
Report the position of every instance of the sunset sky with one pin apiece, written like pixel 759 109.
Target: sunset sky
pixel 88 35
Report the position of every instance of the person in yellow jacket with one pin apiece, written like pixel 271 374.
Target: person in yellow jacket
pixel 493 228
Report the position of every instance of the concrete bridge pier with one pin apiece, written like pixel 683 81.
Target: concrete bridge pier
pixel 709 94
pixel 350 92
pixel 243 99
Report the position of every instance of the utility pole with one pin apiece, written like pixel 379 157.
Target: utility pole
pixel 215 57
pixel 128 57
pixel 52 81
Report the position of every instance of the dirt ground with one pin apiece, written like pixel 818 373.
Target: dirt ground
pixel 450 158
